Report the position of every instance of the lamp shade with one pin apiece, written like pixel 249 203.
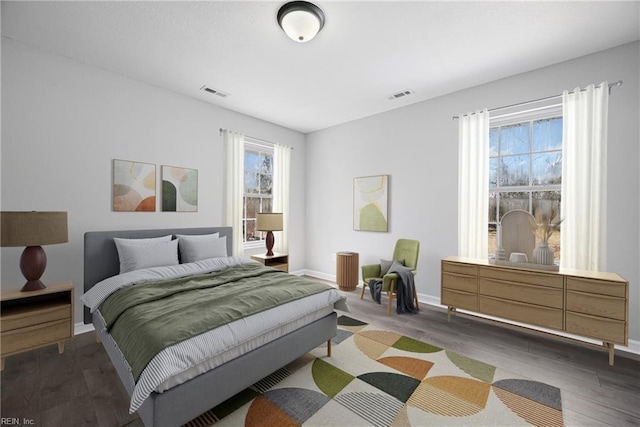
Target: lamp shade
pixel 33 228
pixel 300 20
pixel 269 222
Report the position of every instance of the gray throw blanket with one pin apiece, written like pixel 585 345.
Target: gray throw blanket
pixel 404 289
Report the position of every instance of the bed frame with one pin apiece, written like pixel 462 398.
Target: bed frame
pixel 186 401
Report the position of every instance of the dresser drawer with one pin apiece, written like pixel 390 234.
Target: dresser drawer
pixel 597 305
pixel 607 330
pixel 458 299
pixel 520 312
pixel 35 336
pixel 532 294
pixel 601 287
pixel 460 282
pixel 459 268
pixel 30 317
pixel 523 276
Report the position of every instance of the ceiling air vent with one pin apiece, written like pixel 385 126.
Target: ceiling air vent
pixel 217 92
pixel 401 94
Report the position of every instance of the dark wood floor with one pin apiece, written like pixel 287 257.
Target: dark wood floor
pixel 80 387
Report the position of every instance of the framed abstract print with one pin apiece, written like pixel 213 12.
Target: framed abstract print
pixel 370 203
pixel 179 189
pixel 134 186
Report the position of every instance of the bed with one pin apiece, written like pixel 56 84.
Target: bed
pixel 179 399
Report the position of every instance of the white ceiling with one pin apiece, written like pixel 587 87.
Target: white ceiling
pixel 366 51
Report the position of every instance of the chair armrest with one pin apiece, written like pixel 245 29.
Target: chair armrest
pixel 386 281
pixel 371 270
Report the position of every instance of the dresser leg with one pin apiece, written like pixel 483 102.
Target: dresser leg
pixel 450 311
pixel 61 347
pixel 611 347
pixel 329 348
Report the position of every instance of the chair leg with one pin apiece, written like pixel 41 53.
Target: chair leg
pixel 364 286
pixel 392 288
pixel 415 296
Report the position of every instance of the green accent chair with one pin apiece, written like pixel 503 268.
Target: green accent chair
pixel 405 249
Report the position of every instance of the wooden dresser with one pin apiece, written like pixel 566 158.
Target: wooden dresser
pixel 584 303
pixel 29 320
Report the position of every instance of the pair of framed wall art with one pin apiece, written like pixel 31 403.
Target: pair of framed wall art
pixel 134 187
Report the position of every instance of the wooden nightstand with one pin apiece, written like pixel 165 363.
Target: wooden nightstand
pixel 279 261
pixel 29 320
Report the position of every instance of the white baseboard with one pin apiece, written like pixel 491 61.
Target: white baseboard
pixel 81 328
pixel 320 275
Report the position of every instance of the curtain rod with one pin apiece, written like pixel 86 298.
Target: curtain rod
pixel 253 137
pixel 611 85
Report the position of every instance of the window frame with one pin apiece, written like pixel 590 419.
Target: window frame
pixel 552 110
pixel 261 148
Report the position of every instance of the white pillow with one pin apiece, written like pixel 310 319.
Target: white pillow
pixel 195 248
pixel 137 255
pixel 146 241
pixel 198 236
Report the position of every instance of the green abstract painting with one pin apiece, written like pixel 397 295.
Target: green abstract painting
pixel 179 189
pixel 370 203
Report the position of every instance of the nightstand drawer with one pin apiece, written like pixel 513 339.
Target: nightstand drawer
pixel 283 267
pixel 35 336
pixel 30 317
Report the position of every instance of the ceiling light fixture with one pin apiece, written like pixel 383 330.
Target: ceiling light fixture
pixel 300 20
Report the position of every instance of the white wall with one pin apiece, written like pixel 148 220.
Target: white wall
pixel 417 146
pixel 63 123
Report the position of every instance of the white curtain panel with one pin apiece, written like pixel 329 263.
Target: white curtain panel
pixel 584 174
pixel 234 187
pixel 281 179
pixel 473 184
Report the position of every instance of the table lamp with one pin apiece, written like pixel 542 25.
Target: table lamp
pixel 33 229
pixel 269 222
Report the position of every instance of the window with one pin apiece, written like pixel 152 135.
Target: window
pixel 525 168
pixel 258 188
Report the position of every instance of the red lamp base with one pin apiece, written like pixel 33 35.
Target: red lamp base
pixel 270 240
pixel 32 264
pixel 33 285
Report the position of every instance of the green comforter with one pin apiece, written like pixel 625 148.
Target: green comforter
pixel 146 318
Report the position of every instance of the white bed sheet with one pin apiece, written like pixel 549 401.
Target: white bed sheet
pixel 190 358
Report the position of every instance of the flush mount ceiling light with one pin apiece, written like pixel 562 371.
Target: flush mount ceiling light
pixel 300 20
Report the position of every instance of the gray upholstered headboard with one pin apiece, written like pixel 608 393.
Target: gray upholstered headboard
pixel 101 256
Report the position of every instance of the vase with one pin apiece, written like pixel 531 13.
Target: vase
pixel 543 254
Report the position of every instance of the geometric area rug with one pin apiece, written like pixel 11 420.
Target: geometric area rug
pixel 380 378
